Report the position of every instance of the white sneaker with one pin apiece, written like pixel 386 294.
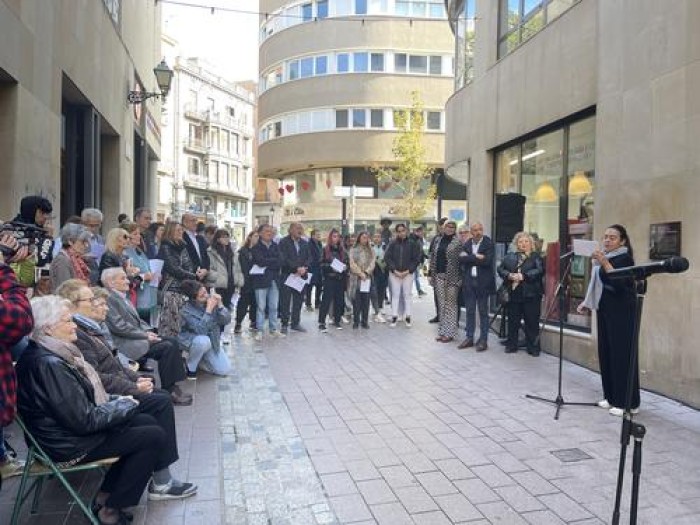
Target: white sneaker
pixel 604 404
pixel 614 411
pixel 277 333
pixel 379 318
pixel 257 336
pixel 345 320
pixel 408 322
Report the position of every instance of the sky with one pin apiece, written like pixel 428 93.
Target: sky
pixel 228 41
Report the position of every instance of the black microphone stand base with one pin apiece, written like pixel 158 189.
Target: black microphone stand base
pixel 559 402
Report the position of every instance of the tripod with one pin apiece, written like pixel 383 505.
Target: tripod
pixel 629 427
pixel 561 294
pixel 501 332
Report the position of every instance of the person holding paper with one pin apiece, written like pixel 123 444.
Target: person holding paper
pixel 266 256
pixel 402 258
pixel 446 279
pixel 524 269
pixel 295 259
pixel 223 267
pixel 333 266
pixel 360 282
pixel 315 250
pixel 615 301
pixel 246 304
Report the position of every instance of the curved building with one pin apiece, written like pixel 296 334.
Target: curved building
pixel 332 74
pixel 587 111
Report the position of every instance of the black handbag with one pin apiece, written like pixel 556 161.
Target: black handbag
pixel 503 293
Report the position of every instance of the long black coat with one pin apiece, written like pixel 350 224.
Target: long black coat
pixel 57 404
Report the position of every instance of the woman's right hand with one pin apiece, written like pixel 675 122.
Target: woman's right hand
pixel 581 309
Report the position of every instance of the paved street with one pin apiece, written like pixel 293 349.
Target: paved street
pixel 386 426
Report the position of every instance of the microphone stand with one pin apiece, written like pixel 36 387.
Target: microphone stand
pixel 561 294
pixel 629 427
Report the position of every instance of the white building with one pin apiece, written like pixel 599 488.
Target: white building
pixel 208 149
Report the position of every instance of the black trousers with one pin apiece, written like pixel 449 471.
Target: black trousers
pixel 171 366
pixel 139 445
pixel 296 299
pixel 360 308
pixel 159 406
pixel 528 311
pixel 246 306
pixel 317 285
pixel 380 282
pixel 333 292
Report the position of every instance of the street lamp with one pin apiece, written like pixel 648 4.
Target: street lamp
pixel 164 77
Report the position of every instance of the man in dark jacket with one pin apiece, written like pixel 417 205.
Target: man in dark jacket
pixel 264 276
pixel 295 260
pixel 196 244
pixel 479 281
pixel 315 251
pixel 402 258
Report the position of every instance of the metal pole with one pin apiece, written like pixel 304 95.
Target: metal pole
pixel 354 209
pixel 344 216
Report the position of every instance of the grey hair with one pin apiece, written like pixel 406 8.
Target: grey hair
pixel 91 213
pixel 47 311
pixel 110 273
pixel 71 233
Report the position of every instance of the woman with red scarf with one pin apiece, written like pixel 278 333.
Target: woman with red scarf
pixel 69 263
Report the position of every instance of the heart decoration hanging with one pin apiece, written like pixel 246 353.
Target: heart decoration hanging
pixel 328 183
pixel 305 185
pixel 280 191
pixel 289 188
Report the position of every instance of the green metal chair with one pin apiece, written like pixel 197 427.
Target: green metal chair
pixel 40 466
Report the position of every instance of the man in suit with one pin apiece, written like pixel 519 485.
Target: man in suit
pixel 196 244
pixel 137 339
pixel 295 259
pixel 479 281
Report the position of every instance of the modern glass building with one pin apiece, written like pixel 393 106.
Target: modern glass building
pixel 587 109
pixel 332 75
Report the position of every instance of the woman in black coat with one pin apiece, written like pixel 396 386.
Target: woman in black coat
pixel 524 270
pixel 615 301
pixel 247 305
pixel 67 410
pixel 334 282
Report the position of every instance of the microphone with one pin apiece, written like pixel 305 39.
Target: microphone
pixel 567 254
pixel 642 271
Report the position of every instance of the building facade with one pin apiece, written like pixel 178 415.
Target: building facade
pixel 67 130
pixel 587 108
pixel 333 73
pixel 208 147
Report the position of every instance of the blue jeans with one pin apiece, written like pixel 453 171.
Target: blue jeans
pixel 474 298
pixel 267 298
pixel 211 360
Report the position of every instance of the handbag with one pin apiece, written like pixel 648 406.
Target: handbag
pixel 503 293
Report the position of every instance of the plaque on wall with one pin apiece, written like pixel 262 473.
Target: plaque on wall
pixel 664 240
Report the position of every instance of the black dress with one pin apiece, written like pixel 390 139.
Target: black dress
pixel 616 317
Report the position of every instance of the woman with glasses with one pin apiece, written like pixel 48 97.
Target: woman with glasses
pixel 70 263
pixel 116 243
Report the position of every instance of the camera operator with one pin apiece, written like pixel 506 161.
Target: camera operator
pixel 15 322
pixel 31 228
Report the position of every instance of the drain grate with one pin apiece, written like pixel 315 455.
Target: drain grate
pixel 570 455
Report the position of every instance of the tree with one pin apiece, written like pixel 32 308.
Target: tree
pixel 411 174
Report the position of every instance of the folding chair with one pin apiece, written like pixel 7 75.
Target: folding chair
pixel 44 468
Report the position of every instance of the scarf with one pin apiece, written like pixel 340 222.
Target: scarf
pixel 70 354
pixel 595 286
pixel 80 267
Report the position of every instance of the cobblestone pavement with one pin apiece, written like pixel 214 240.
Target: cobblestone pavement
pixel 386 426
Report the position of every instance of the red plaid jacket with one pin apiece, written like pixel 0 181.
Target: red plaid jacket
pixel 16 321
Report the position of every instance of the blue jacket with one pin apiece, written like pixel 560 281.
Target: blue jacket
pixel 197 321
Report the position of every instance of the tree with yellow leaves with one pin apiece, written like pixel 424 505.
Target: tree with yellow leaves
pixel 411 174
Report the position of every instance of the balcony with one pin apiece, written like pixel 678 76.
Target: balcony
pixel 196 180
pixel 195 145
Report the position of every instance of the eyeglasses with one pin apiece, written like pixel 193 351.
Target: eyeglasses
pixel 83 299
pixel 99 304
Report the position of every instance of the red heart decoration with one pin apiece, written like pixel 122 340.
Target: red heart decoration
pixel 289 188
pixel 328 183
pixel 280 191
pixel 305 185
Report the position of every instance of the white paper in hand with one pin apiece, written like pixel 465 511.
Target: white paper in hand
pixel 585 247
pixel 257 270
pixel 295 282
pixel 365 285
pixel 338 266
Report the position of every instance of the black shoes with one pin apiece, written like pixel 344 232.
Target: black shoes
pixel 481 346
pixel 434 320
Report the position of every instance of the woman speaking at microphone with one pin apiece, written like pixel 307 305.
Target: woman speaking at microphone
pixel 615 301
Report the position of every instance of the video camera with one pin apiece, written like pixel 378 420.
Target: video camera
pixel 35 238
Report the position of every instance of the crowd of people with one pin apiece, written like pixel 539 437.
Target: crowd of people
pixel 105 310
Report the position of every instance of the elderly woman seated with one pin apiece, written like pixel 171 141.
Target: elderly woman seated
pixel 89 313
pixel 203 318
pixel 70 262
pixel 66 408
pixel 137 339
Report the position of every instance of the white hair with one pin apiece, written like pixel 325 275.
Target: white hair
pixel 108 274
pixel 48 310
pixel 71 233
pixel 91 213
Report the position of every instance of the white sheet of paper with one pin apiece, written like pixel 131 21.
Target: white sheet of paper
pixel 295 282
pixel 365 285
pixel 257 270
pixel 156 266
pixel 338 266
pixel 308 277
pixel 585 247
